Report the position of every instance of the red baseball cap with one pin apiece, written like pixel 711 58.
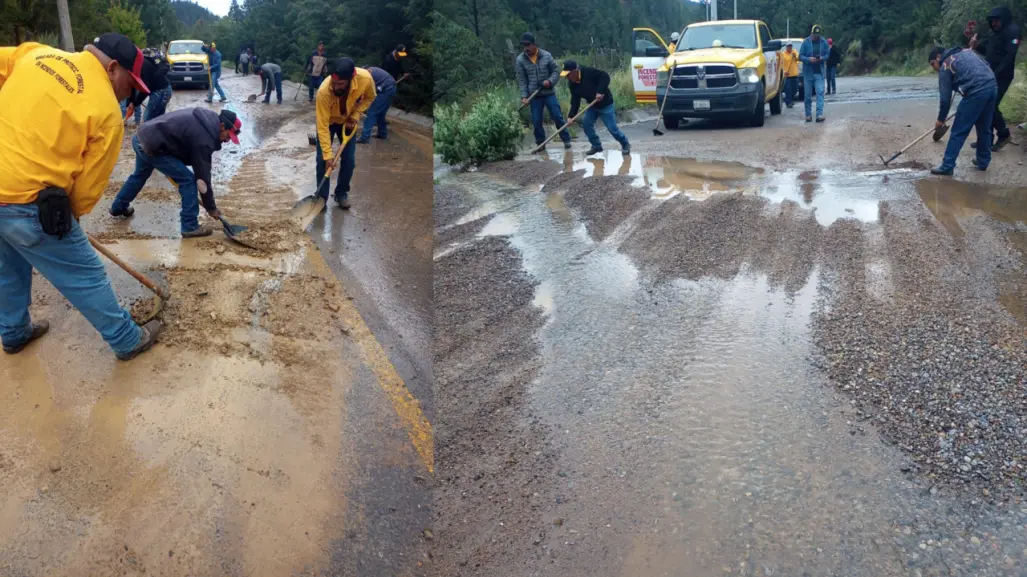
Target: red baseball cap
pixel 119 48
pixel 231 123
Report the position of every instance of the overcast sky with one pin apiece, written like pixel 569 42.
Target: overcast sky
pixel 219 7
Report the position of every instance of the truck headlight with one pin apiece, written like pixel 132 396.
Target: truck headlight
pixel 748 75
pixel 661 77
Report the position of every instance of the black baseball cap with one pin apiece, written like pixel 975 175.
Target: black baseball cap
pixel 231 123
pixel 935 52
pixel 568 67
pixel 120 49
pixel 817 29
pixel 527 39
pixel 344 68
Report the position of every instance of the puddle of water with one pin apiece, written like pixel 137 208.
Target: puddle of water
pixel 951 200
pixel 695 434
pixel 502 224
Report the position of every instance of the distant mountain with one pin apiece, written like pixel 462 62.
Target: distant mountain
pixel 190 12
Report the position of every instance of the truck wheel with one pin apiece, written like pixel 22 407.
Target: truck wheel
pixel 775 103
pixel 671 122
pixel 758 118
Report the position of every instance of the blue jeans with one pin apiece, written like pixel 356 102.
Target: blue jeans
pixel 215 75
pixel 550 103
pixel 974 111
pixel 345 172
pixel 314 83
pixel 138 111
pixel 70 264
pixel 814 83
pixel 791 85
pixel 831 72
pixel 376 113
pixel 609 117
pixel 157 103
pixel 277 86
pixel 171 167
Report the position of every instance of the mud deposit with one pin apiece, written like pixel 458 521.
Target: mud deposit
pixel 523 173
pixel 486 442
pixel 605 202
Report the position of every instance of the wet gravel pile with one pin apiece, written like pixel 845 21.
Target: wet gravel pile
pixel 938 366
pixel 605 202
pixel 447 206
pixel 451 235
pixel 493 457
pixel 523 173
pixel 716 237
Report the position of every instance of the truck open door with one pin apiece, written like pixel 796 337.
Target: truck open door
pixel 648 52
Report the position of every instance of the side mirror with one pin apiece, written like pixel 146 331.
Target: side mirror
pixel 657 51
pixel 772 46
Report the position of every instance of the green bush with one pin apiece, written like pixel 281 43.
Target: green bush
pixel 491 131
pixel 1014 103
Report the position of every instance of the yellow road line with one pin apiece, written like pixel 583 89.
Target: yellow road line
pixel 407 407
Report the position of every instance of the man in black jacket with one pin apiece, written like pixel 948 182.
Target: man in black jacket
pixel 155 75
pixel 171 143
pixel 594 86
pixel 1000 52
pixel 393 63
pixel 834 58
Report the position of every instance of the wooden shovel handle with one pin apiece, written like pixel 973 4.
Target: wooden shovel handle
pixel 562 128
pixel 135 274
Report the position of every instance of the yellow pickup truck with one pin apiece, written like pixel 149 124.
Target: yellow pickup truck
pixel 188 64
pixel 726 69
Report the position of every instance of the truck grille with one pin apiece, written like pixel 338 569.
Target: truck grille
pixel 704 76
pixel 187 67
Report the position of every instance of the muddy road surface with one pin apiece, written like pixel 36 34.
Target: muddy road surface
pixel 280 425
pixel 738 351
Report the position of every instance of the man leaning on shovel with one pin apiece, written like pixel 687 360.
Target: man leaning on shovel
pixel 57 153
pixel 594 85
pixel 346 94
pixel 171 143
pixel 962 70
pixel 537 75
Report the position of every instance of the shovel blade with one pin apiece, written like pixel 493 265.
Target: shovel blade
pixel 657 132
pixel 305 206
pixel 940 132
pixel 251 98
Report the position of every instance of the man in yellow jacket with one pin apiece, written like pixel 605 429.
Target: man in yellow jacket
pixel 62 129
pixel 790 66
pixel 342 98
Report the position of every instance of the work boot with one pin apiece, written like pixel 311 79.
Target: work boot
pixel 939 171
pixel 626 150
pixel 1002 141
pixel 541 149
pixel 974 145
pixel 202 230
pixel 594 150
pixel 38 329
pixel 809 119
pixel 978 166
pixel 363 141
pixel 208 100
pixel 343 204
pixel 820 119
pixel 146 340
pixel 125 212
pixel 567 144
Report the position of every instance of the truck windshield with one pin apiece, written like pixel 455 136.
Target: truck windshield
pixel 718 35
pixel 185 48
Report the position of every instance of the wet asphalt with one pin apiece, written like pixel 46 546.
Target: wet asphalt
pixel 692 432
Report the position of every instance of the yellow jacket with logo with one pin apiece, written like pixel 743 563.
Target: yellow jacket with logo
pixel 790 63
pixel 61 125
pixel 330 107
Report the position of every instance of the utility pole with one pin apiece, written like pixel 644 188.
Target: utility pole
pixel 736 9
pixel 67 43
pixel 788 27
pixel 713 10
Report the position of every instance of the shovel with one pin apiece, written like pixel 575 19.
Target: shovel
pixel 666 97
pixel 938 134
pixel 231 231
pixel 305 206
pixel 160 296
pixel 562 128
pixel 530 98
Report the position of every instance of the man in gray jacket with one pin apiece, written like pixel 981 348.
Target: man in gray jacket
pixel 537 70
pixel 963 71
pixel 271 77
